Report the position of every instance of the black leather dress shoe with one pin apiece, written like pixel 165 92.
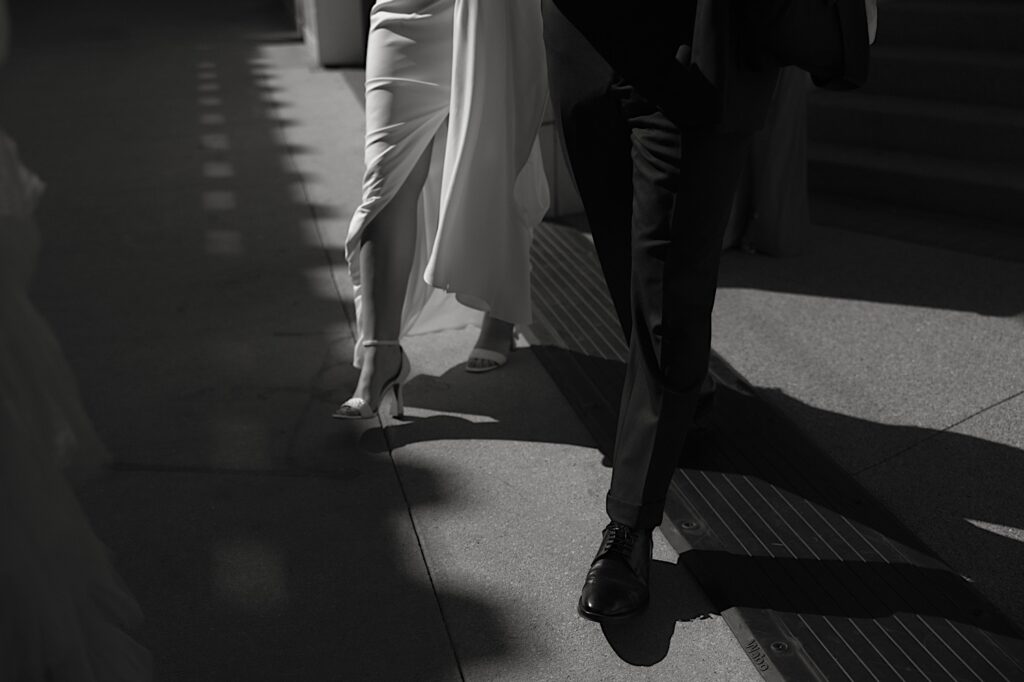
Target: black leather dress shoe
pixel 616 585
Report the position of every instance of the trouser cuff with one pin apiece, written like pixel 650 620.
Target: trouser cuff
pixel 643 517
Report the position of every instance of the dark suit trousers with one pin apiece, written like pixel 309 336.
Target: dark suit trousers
pixel 657 198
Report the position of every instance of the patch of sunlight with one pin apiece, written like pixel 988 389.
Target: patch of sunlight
pixel 219 200
pixel 223 243
pixel 218 169
pixel 999 529
pixel 212 119
pixel 210 101
pixel 249 575
pixel 215 141
pixel 208 87
pixel 423 413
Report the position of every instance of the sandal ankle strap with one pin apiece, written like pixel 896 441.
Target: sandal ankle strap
pixel 377 342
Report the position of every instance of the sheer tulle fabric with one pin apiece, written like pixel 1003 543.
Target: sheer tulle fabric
pixel 63 610
pixel 466 78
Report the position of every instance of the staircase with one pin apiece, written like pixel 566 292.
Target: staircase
pixel 936 138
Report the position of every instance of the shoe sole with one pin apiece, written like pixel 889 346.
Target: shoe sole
pixel 605 618
pixel 496 358
pixel 483 370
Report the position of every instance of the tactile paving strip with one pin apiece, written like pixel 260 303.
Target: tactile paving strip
pixel 816 581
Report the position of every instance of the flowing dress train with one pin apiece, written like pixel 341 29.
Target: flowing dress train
pixel 466 78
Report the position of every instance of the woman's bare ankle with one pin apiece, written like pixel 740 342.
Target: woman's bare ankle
pixel 495 334
pixel 380 365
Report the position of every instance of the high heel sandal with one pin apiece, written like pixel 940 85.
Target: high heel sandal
pixel 357 408
pixel 495 358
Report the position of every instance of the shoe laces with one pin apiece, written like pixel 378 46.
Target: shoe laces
pixel 619 539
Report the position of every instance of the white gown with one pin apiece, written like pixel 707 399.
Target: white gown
pixel 467 77
pixel 63 610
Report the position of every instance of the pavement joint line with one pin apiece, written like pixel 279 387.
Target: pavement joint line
pixel 936 434
pixel 423 554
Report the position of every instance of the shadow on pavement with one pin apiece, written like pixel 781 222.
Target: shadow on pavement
pixel 675 597
pixel 478 407
pixel 957 493
pixel 184 271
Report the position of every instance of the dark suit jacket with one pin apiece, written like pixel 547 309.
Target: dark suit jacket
pixel 715 62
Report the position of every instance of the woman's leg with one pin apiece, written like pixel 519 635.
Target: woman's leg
pixel 385 258
pixel 408 79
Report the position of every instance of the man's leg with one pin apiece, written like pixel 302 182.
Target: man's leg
pixel 595 137
pixel 683 185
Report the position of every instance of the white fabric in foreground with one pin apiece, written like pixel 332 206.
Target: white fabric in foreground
pixel 63 609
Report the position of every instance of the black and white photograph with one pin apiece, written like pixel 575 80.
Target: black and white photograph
pixel 525 340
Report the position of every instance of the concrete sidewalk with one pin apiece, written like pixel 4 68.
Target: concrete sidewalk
pixel 201 175
pixel 905 364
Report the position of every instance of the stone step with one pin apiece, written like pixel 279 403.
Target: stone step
pixel 984 25
pixel 970 76
pixel 944 129
pixel 991 239
pixel 986 191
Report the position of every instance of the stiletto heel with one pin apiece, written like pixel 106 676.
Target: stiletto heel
pixel 357 408
pixel 398 409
